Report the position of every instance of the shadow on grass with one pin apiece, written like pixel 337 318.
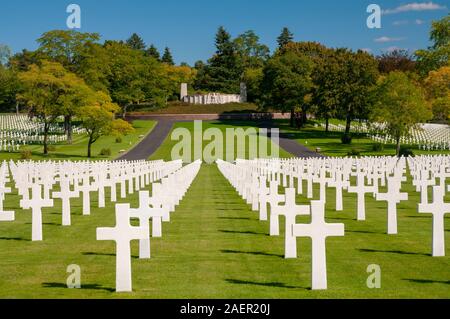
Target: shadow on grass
pixel 14 239
pixel 364 232
pixel 400 252
pixel 46 224
pixel 255 253
pixel 242 232
pixel 86 287
pixel 428 281
pixel 264 284
pixel 103 255
pixel 234 218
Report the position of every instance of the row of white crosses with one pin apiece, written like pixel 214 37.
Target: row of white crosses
pixel 258 182
pixel 75 179
pixel 158 206
pixel 433 171
pixel 318 230
pixel 17 130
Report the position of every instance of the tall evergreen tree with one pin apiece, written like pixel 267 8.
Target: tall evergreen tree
pixel 152 51
pixel 223 72
pixel 285 37
pixel 136 42
pixel 167 57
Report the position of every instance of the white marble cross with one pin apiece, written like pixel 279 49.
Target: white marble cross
pixel 318 231
pixel 339 183
pixel 438 208
pixel 122 234
pixel 65 194
pixel 85 189
pixel 290 210
pixel 36 204
pixel 393 197
pixel 274 199
pixel 144 213
pixel 361 190
pixel 263 197
pixel 422 185
pixel 5 216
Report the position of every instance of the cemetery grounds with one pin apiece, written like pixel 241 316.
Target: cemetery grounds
pixel 216 247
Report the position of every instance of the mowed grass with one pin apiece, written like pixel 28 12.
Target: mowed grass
pixel 164 152
pixel 331 145
pixel 78 150
pixel 215 247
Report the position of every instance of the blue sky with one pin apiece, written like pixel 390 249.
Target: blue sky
pixel 188 27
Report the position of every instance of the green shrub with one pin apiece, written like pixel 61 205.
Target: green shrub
pixel 105 152
pixel 378 147
pixel 354 152
pixel 118 140
pixel 346 139
pixel 25 154
pixel 406 152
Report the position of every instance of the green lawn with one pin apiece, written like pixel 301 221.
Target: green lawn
pixel 331 145
pixel 78 150
pixel 164 152
pixel 215 247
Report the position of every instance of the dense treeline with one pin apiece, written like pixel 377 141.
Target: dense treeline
pixel 299 77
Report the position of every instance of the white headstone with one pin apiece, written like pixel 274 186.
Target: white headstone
pixel 122 234
pixel 318 231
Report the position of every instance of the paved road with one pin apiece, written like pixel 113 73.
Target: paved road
pixel 150 144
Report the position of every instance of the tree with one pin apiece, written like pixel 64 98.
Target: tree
pixel 98 119
pixel 9 86
pixel 66 46
pixel 251 53
pixel 318 54
pixel 401 105
pixel 153 52
pixel 397 60
pixel 136 42
pixel 5 54
pixel 167 57
pixel 437 85
pixel 287 82
pixel 43 91
pixel 438 54
pixel 223 71
pixel 346 82
pixel 285 37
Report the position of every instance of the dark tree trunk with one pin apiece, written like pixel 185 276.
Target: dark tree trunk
pixel 124 114
pixel 68 128
pixel 304 116
pixel 348 126
pixel 17 108
pixel 327 124
pixel 292 117
pixel 46 129
pixel 398 146
pixel 89 154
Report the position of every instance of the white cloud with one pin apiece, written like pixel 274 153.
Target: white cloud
pixel 419 22
pixel 415 6
pixel 388 39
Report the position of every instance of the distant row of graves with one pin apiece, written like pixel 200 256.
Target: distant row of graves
pixel 427 137
pixel 19 130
